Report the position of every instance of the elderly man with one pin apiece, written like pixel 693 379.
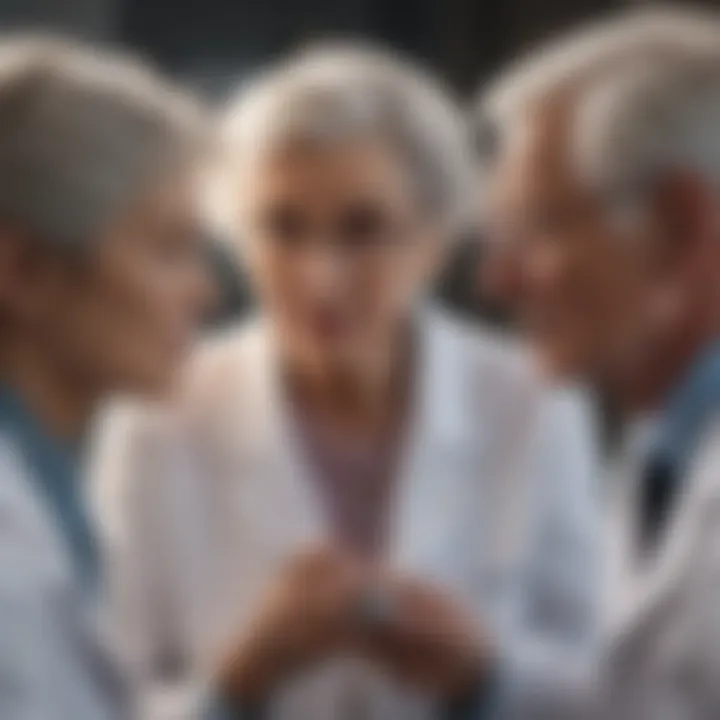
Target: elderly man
pixel 604 205
pixel 102 282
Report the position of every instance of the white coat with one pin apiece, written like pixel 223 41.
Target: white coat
pixel 495 502
pixel 662 615
pixel 56 663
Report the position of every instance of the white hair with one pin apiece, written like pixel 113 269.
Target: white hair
pixel 82 134
pixel 644 95
pixel 333 94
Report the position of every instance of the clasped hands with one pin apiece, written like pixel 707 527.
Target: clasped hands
pixel 325 603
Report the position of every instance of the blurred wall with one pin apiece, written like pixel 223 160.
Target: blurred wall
pixel 89 18
pixel 215 40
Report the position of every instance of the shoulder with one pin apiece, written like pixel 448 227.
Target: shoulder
pixel 495 376
pixel 241 341
pixel 491 368
pixel 489 349
pixel 218 367
pixel 225 363
pixel 137 446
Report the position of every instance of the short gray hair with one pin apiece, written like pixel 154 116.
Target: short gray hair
pixel 82 134
pixel 644 91
pixel 339 92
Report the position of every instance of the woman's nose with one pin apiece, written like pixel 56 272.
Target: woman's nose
pixel 324 269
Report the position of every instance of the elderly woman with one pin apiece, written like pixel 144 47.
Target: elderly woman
pixel 100 289
pixel 374 506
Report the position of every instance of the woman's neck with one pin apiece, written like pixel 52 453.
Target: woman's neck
pixel 363 397
pixel 63 403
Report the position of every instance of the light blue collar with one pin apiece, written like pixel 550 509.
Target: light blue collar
pixel 689 409
pixel 56 473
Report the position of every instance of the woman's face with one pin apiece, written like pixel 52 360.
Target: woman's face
pixel 123 317
pixel 338 248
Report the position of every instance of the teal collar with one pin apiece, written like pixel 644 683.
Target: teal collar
pixel 689 410
pixel 56 474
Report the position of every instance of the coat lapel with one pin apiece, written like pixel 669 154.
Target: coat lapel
pixel 31 512
pixel 640 587
pixel 437 456
pixel 269 501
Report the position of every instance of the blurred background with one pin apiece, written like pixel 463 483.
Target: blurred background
pixel 214 44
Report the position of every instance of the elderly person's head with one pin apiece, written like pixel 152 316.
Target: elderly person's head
pixel 100 262
pixel 344 175
pixel 603 164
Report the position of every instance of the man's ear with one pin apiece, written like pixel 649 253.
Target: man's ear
pixel 684 208
pixel 433 256
pixel 22 272
pixel 8 265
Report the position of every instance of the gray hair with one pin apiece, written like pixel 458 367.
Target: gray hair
pixel 644 94
pixel 337 93
pixel 82 134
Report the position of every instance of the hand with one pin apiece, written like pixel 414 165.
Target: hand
pixel 428 639
pixel 306 615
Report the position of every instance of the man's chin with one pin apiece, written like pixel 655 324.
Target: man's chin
pixel 559 365
pixel 151 386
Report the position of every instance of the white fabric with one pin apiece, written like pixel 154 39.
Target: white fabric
pixel 54 663
pixel 203 502
pixel 661 620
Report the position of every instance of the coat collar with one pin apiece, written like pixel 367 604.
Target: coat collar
pixel 440 392
pixel 680 434
pixel 442 382
pixel 260 436
pixel 56 476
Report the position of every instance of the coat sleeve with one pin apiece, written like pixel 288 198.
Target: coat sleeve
pixel 134 475
pixel 549 618
pixel 130 478
pixel 29 647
